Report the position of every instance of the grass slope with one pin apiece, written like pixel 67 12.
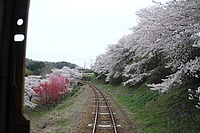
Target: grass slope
pixel 159 113
pixel 59 118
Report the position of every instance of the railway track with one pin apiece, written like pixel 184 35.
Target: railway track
pixel 102 114
pixel 104 120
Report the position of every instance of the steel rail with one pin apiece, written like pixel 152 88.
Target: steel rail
pixel 96 114
pixel 111 113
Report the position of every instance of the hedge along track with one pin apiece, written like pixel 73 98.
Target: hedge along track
pixel 104 121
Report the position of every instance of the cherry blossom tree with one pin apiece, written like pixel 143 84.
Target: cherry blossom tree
pixel 53 85
pixel 71 74
pixel 170 30
pixel 195 94
pixel 112 63
pixel 31 82
pixel 178 23
pixel 100 65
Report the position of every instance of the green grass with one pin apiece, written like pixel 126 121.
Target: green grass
pixel 159 113
pixel 56 115
pixel 32 113
pixel 91 75
pixel 64 124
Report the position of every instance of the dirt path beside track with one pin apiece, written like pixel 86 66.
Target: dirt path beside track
pixel 86 118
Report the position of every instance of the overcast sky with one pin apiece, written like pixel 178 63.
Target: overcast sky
pixel 77 31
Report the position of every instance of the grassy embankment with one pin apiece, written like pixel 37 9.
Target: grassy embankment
pixel 56 119
pixel 172 112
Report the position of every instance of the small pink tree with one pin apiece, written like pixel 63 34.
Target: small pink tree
pixel 51 92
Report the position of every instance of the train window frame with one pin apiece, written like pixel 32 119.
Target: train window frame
pixel 13 32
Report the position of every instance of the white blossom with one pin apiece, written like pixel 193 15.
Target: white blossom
pixel 70 74
pixel 172 30
pixel 31 82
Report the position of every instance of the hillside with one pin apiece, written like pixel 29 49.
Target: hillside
pixel 43 67
pixel 154 112
pixel 59 118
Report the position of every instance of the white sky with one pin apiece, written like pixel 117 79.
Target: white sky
pixel 77 31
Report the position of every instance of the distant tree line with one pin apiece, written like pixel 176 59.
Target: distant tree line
pixel 42 68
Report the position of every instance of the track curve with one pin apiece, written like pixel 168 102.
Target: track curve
pixel 104 117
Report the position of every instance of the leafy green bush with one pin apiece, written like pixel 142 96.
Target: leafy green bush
pixel 115 81
pixel 28 72
pixel 159 73
pixel 76 89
